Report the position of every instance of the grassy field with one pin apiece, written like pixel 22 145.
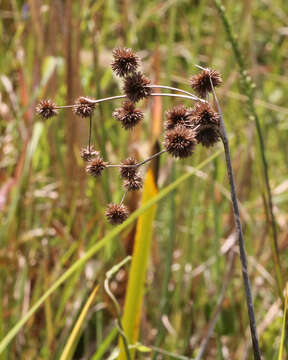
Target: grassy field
pixel 185 298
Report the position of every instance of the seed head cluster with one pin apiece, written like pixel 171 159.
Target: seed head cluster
pixel 46 109
pixel 184 127
pixel 125 61
pixel 84 107
pixel 116 214
pixel 96 167
pixel 201 82
pixel 128 115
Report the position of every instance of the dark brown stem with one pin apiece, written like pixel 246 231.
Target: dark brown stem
pixel 243 256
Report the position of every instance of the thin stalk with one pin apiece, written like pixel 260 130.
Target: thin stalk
pixel 140 163
pixel 90 131
pixel 243 256
pixel 175 89
pixel 123 197
pixel 195 98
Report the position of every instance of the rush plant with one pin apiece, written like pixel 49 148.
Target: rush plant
pixel 185 128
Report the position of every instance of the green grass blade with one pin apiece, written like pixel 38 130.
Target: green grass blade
pixel 280 356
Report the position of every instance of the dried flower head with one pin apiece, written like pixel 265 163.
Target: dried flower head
pixel 116 214
pixel 201 82
pixel 178 115
pixel 125 61
pixel 127 171
pixel 133 184
pixel 128 115
pixel 204 115
pixel 180 141
pixel 207 136
pixel 136 86
pixel 84 107
pixel 89 154
pixel 96 167
pixel 46 109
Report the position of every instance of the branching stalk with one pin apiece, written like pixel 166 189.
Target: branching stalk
pixel 243 256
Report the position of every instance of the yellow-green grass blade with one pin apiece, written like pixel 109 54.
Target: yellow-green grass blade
pixel 137 273
pixel 98 246
pixel 280 356
pixel 74 336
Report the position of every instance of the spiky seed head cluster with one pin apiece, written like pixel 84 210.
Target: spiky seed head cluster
pixel 116 214
pixel 133 184
pixel 46 109
pixel 207 124
pixel 178 115
pixel 129 172
pixel 201 82
pixel 136 86
pixel 88 154
pixel 96 167
pixel 180 141
pixel 84 107
pixel 128 115
pixel 125 61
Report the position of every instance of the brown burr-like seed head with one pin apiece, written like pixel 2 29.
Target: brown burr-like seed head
pixel 180 141
pixel 96 167
pixel 136 86
pixel 84 107
pixel 178 115
pixel 125 61
pixel 128 115
pixel 116 214
pixel 88 154
pixel 133 184
pixel 207 136
pixel 204 115
pixel 126 170
pixel 201 82
pixel 46 109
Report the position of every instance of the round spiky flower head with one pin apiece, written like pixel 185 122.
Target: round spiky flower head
pixel 125 61
pixel 96 167
pixel 116 214
pixel 128 115
pixel 204 115
pixel 133 184
pixel 46 109
pixel 201 82
pixel 180 141
pixel 84 107
pixel 207 136
pixel 128 172
pixel 89 154
pixel 178 115
pixel 136 86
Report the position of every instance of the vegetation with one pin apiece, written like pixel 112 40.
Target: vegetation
pixel 69 288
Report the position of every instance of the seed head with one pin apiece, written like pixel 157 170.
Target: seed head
pixel 201 82
pixel 128 172
pixel 180 141
pixel 96 167
pixel 125 61
pixel 46 109
pixel 84 107
pixel 204 115
pixel 207 136
pixel 128 115
pixel 133 184
pixel 178 115
pixel 116 214
pixel 136 86
pixel 89 154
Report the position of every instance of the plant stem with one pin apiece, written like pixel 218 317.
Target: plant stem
pixel 138 164
pixel 176 89
pixel 243 256
pixel 90 130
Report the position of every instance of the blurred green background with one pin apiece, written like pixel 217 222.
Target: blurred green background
pixel 51 212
